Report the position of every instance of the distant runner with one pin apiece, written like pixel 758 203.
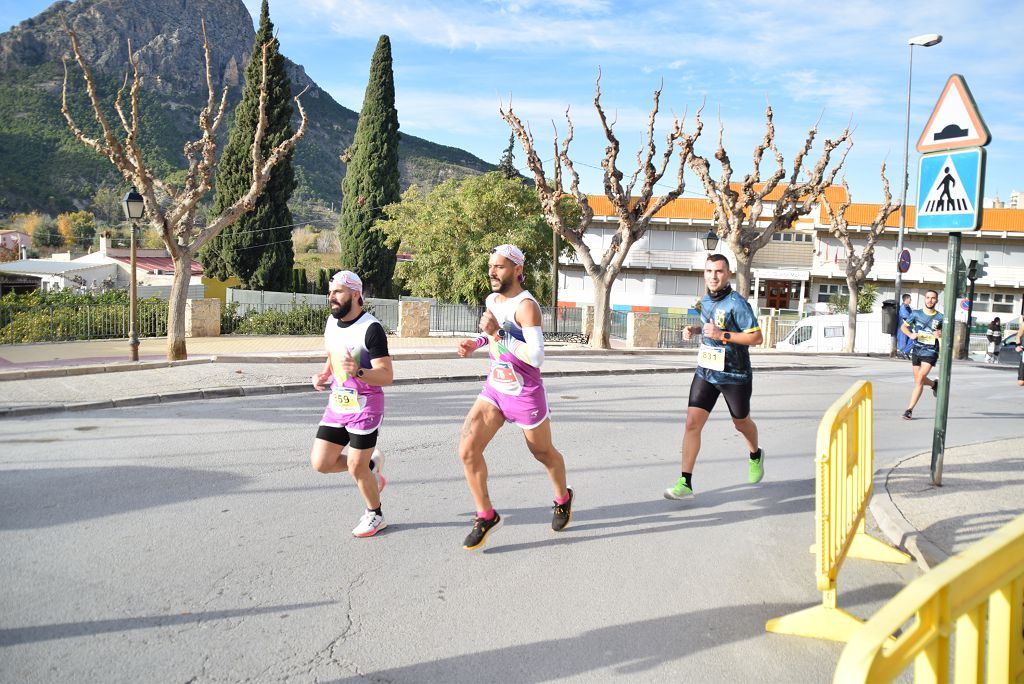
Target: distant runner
pixel 723 368
pixel 924 328
pixel 358 365
pixel 514 392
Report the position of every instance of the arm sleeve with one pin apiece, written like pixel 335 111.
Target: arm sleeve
pixel 376 341
pixel 532 350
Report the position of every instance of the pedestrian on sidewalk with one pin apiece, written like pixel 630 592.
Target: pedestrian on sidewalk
pixel 924 327
pixel 994 335
pixel 358 365
pixel 903 343
pixel 514 392
pixel 723 368
pixel 1020 339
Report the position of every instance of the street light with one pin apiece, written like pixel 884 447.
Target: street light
pixel 924 40
pixel 134 207
pixel 711 240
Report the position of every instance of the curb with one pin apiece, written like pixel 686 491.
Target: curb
pixel 293 388
pixel 897 528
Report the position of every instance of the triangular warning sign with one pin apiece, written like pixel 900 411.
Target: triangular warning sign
pixel 955 122
pixel 947 194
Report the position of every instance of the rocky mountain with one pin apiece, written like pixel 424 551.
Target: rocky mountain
pixel 46 169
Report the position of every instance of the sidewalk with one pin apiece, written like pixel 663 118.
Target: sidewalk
pixel 983 486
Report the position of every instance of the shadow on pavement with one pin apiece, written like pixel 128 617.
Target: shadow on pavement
pixel 47 497
pixel 628 649
pixel 65 630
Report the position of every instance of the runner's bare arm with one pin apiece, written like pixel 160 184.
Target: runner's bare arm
pixel 381 373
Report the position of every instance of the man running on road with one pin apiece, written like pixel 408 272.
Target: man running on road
pixel 924 327
pixel 514 392
pixel 723 367
pixel 358 365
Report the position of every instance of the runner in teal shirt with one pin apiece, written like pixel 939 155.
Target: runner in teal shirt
pixel 723 368
pixel 924 328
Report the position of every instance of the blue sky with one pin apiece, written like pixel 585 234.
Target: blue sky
pixel 455 60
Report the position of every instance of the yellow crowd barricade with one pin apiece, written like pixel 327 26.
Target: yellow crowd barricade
pixel 970 607
pixel 844 461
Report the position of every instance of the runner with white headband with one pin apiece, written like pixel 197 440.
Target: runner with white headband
pixel 358 365
pixel 514 392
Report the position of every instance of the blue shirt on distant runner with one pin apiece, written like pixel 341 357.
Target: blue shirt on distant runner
pixel 924 326
pixel 731 313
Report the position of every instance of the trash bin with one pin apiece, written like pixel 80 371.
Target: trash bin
pixel 890 317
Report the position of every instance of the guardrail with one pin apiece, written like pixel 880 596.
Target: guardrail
pixel 844 461
pixel 970 607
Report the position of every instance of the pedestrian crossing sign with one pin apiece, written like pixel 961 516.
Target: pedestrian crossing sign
pixel 949 190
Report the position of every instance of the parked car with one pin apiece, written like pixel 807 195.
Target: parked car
pixel 1009 354
pixel 828 334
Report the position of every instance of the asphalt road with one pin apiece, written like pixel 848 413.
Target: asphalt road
pixel 192 542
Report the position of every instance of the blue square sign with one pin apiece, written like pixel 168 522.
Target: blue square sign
pixel 949 190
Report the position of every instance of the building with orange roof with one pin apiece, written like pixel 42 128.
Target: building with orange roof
pixel 801 268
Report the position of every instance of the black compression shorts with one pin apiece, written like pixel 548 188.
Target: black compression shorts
pixel 704 395
pixel 341 436
pixel 917 359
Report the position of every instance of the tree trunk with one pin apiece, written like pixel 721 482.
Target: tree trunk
pixel 601 337
pixel 743 277
pixel 176 307
pixel 851 312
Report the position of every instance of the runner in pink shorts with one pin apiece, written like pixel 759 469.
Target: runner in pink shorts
pixel 514 392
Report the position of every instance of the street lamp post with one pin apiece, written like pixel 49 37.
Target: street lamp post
pixel 134 207
pixel 925 40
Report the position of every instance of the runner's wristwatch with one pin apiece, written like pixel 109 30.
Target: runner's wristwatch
pixel 359 373
pixel 726 336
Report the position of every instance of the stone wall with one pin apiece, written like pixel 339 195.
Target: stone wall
pixel 413 319
pixel 202 318
pixel 643 329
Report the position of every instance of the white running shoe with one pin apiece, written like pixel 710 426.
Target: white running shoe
pixel 377 459
pixel 369 525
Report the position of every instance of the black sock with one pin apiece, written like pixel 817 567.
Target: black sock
pixel 687 479
pixel 756 455
pixel 375 511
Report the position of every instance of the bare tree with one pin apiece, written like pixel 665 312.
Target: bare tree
pixel 634 212
pixel 175 219
pixel 858 266
pixel 740 207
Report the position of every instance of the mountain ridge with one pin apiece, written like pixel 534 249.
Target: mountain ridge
pixel 166 36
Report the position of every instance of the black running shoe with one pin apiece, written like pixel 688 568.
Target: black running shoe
pixel 908 415
pixel 562 514
pixel 481 528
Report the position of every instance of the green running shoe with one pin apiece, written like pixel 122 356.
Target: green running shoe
pixel 755 469
pixel 679 491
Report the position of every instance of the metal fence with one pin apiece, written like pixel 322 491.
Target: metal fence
pixel 618 324
pixel 671 331
pixel 455 319
pixel 94 321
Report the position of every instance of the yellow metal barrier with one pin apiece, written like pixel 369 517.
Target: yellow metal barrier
pixel 973 601
pixel 845 460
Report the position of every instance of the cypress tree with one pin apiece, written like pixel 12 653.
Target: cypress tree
pixel 507 163
pixel 258 247
pixel 371 179
pixel 323 283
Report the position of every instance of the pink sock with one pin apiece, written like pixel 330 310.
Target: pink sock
pixel 563 500
pixel 486 515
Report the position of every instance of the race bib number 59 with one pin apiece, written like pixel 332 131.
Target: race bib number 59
pixel 345 400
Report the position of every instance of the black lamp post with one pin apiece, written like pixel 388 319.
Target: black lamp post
pixel 711 240
pixel 134 207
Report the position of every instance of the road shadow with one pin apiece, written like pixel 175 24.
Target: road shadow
pixel 15 636
pixel 47 497
pixel 629 649
pixel 659 516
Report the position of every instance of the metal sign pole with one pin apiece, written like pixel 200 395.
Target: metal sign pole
pixel 945 357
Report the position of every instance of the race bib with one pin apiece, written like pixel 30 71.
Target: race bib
pixel 345 400
pixel 712 358
pixel 926 338
pixel 504 379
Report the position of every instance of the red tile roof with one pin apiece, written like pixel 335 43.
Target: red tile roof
pixel 152 264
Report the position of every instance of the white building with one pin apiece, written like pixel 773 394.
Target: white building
pixel 801 268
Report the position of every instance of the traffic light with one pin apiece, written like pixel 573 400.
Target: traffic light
pixel 979 264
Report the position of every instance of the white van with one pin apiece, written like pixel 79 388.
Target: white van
pixel 828 334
